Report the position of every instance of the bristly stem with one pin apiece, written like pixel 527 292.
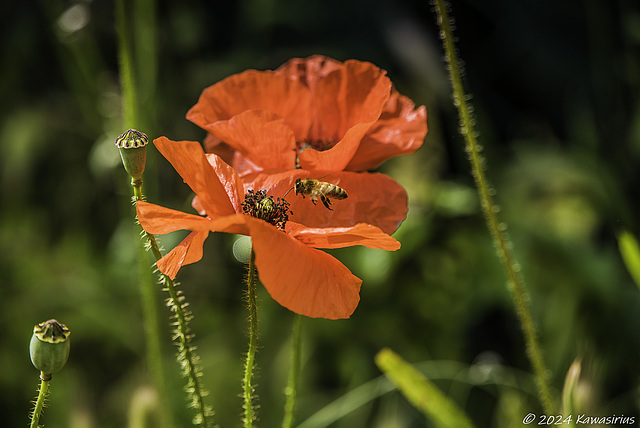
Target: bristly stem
pixel 43 391
pixel 152 325
pixel 247 381
pixel 187 357
pixel 490 209
pixel 291 391
pixel 131 118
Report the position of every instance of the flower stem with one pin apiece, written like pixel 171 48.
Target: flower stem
pixel 43 391
pixel 131 118
pixel 125 60
pixel 247 381
pixel 497 228
pixel 294 370
pixel 152 325
pixel 187 357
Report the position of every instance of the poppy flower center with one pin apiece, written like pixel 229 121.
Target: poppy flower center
pixel 308 143
pixel 319 145
pixel 259 205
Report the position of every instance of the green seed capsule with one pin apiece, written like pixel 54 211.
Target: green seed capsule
pixel 49 347
pixel 133 151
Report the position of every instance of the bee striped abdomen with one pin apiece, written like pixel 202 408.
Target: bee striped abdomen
pixel 317 189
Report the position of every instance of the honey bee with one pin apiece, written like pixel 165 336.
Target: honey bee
pixel 317 189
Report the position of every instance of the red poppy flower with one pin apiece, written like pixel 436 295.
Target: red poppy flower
pixel 315 113
pixel 297 275
pixel 318 117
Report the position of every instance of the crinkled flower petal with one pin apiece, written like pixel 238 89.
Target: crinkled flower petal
pixel 309 70
pixel 159 220
pixel 255 90
pixel 261 136
pixel 305 280
pixel 187 252
pixel 240 162
pixel 339 237
pixel 338 157
pixel 190 161
pixel 400 130
pixel 348 101
pixel 373 198
pixel 353 94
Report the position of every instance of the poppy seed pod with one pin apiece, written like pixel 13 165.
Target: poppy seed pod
pixel 49 347
pixel 133 151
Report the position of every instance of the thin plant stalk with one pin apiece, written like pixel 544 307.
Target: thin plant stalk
pixel 490 209
pixel 146 59
pixel 186 352
pixel 247 381
pixel 131 119
pixel 43 391
pixel 130 111
pixel 187 356
pixel 291 391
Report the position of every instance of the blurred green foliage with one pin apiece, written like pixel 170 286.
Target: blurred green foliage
pixel 556 89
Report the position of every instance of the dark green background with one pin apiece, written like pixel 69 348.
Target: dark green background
pixel 556 91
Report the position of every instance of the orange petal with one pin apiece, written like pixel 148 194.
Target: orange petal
pixel 348 102
pixel 229 180
pixel 255 90
pixel 309 70
pixel 307 281
pixel 190 161
pixel 338 157
pixel 231 156
pixel 188 251
pixel 340 237
pixel 236 223
pixel 372 198
pixel 355 93
pixel 400 130
pixel 160 220
pixel 261 136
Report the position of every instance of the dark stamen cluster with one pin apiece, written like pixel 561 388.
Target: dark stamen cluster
pixel 307 143
pixel 319 145
pixel 259 205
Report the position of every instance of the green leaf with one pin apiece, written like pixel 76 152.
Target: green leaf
pixel 630 251
pixel 570 386
pixel 421 392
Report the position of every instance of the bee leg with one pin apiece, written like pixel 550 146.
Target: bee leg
pixel 326 202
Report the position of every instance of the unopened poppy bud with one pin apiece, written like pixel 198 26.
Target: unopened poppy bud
pixel 49 347
pixel 133 151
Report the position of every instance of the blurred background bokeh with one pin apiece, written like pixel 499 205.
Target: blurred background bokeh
pixel 556 88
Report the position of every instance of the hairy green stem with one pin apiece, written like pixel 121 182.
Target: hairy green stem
pixel 187 356
pixel 131 118
pixel 247 381
pixel 490 209
pixel 291 391
pixel 152 325
pixel 43 391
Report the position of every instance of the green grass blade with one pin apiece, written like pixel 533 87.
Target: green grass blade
pixel 421 393
pixel 630 251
